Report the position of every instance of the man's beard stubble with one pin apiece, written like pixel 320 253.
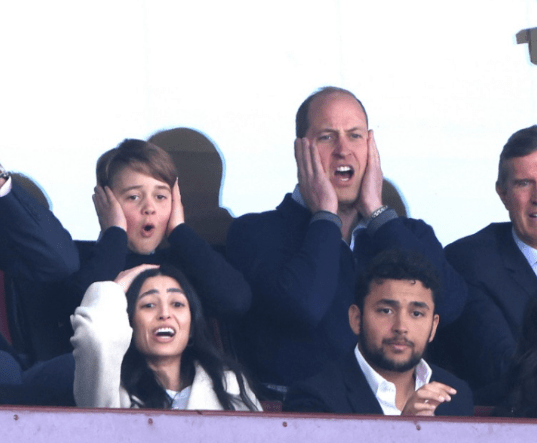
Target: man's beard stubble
pixel 377 357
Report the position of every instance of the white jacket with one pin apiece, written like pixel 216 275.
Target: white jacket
pixel 101 339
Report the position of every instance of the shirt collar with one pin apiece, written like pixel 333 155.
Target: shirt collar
pixel 297 196
pixel 528 252
pixel 378 383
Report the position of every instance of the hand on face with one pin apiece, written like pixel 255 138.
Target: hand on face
pixel 425 400
pixel 177 215
pixel 2 180
pixel 108 209
pixel 370 197
pixel 125 278
pixel 315 186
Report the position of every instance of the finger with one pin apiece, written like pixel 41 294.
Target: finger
pixel 316 164
pixel 125 278
pixel 373 156
pixel 176 192
pixel 111 197
pixel 425 413
pixel 433 393
pixel 301 159
pixel 441 387
pixel 98 200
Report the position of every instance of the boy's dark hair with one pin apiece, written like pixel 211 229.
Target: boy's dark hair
pixel 142 156
pixel 397 265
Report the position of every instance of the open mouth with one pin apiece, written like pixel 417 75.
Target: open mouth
pixel 148 229
pixel 344 173
pixel 165 332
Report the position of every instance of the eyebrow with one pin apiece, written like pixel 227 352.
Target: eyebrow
pixel 130 188
pixel 355 128
pixel 154 291
pixel 390 302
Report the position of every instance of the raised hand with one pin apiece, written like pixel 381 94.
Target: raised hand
pixel 426 399
pixel 125 278
pixel 177 215
pixel 2 180
pixel 371 189
pixel 314 183
pixel 108 209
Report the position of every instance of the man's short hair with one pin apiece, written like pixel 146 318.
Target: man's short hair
pixel 302 123
pixel 520 144
pixel 142 156
pixel 397 265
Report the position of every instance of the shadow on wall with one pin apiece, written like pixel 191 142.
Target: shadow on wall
pixel 199 167
pixel 392 198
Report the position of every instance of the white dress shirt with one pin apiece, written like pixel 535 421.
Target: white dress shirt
pixel 383 389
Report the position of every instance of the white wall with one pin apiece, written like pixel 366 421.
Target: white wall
pixel 444 84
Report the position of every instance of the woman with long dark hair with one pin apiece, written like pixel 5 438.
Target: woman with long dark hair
pixel 151 348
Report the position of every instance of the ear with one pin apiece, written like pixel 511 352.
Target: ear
pixel 436 320
pixel 355 319
pixel 502 193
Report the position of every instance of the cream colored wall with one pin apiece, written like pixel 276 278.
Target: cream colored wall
pixel 444 83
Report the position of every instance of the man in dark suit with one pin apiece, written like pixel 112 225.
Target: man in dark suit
pixel 499 266
pixel 394 317
pixel 302 259
pixel 33 246
pixel 33 243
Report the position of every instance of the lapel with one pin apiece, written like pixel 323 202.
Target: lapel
pixel 202 395
pixel 515 262
pixel 359 395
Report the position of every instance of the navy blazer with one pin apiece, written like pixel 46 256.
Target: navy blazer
pixel 33 243
pixel 303 276
pixel 500 284
pixel 343 389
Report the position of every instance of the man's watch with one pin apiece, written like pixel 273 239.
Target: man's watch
pixel 3 173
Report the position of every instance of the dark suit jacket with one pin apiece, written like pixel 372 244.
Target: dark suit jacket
pixel 303 276
pixel 342 388
pixel 500 284
pixel 33 243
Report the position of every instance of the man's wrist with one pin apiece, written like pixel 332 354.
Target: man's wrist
pixel 384 216
pixel 327 215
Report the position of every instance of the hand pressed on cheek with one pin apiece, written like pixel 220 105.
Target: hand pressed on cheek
pixel 177 215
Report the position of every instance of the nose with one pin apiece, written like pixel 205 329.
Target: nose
pixel 341 147
pixel 164 313
pixel 148 207
pixel 400 324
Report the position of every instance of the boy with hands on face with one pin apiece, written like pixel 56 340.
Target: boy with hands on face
pixel 138 203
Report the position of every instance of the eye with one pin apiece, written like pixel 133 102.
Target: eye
pixel 325 137
pixel 161 197
pixel 147 306
pixel 132 197
pixel 385 311
pixel 522 183
pixel 356 135
pixel 178 304
pixel 418 314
